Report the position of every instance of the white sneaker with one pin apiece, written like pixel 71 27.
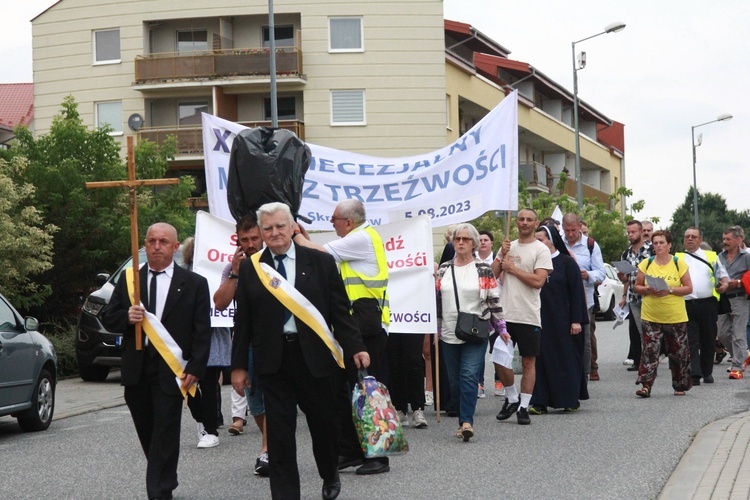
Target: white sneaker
pixel 402 418
pixel 418 420
pixel 201 430
pixel 429 400
pixel 208 440
pixel 628 362
pixel 480 391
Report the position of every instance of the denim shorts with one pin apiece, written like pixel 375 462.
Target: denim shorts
pixel 255 393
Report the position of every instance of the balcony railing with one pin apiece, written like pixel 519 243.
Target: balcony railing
pixel 190 139
pixel 168 66
pixel 588 193
pixel 538 177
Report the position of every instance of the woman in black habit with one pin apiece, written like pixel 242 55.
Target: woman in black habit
pixel 560 380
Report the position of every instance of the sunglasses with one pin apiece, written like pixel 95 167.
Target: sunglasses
pixel 459 239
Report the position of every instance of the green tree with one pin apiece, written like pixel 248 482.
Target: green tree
pixel 25 241
pixel 94 223
pixel 714 218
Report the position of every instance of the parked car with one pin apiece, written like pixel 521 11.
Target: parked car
pixel 610 292
pixel 28 370
pixel 97 349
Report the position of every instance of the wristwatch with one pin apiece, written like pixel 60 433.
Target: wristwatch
pixel 233 276
pixel 670 291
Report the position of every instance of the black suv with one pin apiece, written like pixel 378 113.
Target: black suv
pixel 98 349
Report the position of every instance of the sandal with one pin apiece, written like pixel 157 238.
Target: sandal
pixel 644 392
pixel 467 432
pixel 679 393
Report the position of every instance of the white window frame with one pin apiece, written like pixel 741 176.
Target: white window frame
pixel 115 130
pixel 93 44
pixel 361 47
pixel 364 108
pixel 191 30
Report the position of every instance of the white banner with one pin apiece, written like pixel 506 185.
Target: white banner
pixel 462 181
pixel 408 247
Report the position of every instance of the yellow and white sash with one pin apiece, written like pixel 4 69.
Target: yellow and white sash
pixel 162 341
pixel 298 304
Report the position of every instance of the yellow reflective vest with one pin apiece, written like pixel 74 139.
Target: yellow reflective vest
pixel 712 258
pixel 359 286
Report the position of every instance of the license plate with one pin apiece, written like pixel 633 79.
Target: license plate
pixel 118 340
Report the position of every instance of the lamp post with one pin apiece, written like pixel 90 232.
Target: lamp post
pixel 720 118
pixel 612 28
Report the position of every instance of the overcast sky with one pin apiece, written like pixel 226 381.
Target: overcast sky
pixel 678 63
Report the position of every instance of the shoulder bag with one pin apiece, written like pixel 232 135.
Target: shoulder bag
pixel 469 327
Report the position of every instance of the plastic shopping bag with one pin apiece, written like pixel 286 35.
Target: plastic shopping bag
pixel 378 427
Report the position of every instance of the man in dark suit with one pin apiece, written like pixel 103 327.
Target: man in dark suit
pixel 294 364
pixel 180 299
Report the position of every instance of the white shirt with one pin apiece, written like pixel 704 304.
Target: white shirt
pixel 700 275
pixel 163 282
pixel 290 266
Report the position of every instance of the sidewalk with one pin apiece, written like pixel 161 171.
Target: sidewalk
pixel 715 465
pixel 74 396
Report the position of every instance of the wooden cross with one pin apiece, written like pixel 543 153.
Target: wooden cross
pixel 132 184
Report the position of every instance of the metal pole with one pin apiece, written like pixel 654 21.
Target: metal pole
pixel 272 39
pixel 695 182
pixel 579 184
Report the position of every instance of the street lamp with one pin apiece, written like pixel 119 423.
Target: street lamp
pixel 612 28
pixel 720 118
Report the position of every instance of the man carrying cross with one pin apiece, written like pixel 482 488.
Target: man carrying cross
pixel 178 302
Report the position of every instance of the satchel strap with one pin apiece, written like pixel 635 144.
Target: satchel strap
pixel 455 289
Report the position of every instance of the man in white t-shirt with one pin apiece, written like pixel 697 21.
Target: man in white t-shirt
pixel 525 264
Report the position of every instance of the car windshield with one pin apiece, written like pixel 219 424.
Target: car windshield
pixel 141 259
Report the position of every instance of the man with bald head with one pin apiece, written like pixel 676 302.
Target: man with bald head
pixel 179 300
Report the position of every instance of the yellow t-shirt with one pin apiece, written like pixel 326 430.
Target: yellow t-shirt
pixel 669 309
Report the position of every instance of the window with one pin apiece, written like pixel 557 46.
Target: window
pixel 190 112
pixel 109 113
pixel 347 107
pixel 192 40
pixel 107 46
pixel 345 34
pixel 7 318
pixel 285 107
pixel 284 36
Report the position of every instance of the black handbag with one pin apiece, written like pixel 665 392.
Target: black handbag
pixel 469 327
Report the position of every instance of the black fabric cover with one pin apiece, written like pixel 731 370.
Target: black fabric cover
pixel 266 165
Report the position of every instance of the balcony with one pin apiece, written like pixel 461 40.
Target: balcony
pixel 215 64
pixel 588 193
pixel 190 138
pixel 538 177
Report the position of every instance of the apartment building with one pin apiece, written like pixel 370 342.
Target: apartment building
pixel 385 78
pixel 479 72
pixel 353 75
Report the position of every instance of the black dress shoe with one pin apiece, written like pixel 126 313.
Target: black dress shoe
pixel 696 381
pixel 708 379
pixel 346 462
pixel 331 490
pixel 373 467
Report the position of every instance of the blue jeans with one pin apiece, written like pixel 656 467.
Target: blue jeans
pixel 462 363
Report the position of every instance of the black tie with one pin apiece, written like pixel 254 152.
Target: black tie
pixel 152 292
pixel 282 271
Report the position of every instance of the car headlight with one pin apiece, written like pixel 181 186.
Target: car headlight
pixel 92 308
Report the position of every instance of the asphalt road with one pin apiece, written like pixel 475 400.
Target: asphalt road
pixel 616 446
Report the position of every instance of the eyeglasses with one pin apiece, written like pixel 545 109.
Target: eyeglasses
pixel 334 218
pixel 460 239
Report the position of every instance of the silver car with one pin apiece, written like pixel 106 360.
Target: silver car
pixel 28 370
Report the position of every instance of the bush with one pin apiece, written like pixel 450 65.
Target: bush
pixel 63 337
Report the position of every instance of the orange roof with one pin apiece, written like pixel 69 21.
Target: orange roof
pixel 16 104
